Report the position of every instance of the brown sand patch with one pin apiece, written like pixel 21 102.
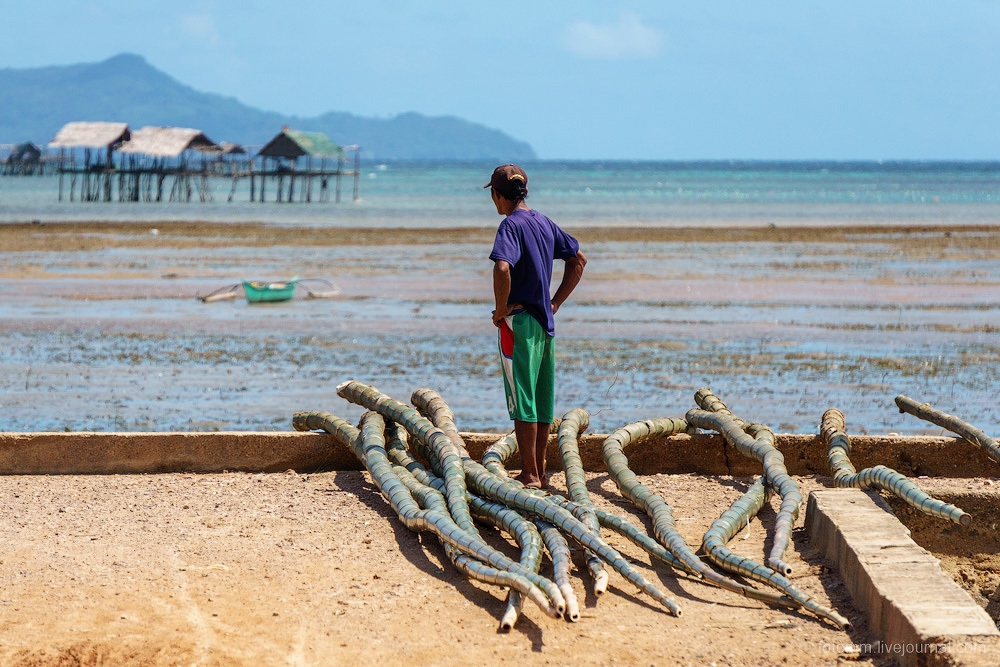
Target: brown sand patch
pixel 78 236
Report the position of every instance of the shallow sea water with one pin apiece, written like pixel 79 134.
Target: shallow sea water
pixel 146 355
pixel 89 380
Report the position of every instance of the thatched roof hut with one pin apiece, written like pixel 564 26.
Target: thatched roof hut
pixel 83 134
pixel 25 153
pixel 168 142
pixel 229 148
pixel 25 158
pixel 292 144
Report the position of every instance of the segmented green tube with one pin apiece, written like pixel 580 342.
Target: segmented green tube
pixel 572 425
pixel 430 404
pixel 559 553
pixel 629 531
pixel 656 507
pixel 494 459
pixel 636 536
pixel 496 455
pixel 613 450
pixel 838 448
pixel 369 446
pixel 444 455
pixel 431 499
pixel 726 526
pixel 968 432
pixel 484 483
pixel 523 531
pixel 755 441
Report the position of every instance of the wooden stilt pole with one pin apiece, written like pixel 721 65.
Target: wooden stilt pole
pixel 357 173
pixel 340 169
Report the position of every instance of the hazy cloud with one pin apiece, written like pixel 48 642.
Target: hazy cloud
pixel 626 39
pixel 200 26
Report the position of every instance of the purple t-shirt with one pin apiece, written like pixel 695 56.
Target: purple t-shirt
pixel 530 242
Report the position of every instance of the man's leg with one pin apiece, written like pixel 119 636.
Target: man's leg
pixel 541 445
pixel 533 382
pixel 527 437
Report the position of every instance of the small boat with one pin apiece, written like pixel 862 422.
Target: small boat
pixel 261 292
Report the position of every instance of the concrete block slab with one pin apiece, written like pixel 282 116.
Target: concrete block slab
pixel 920 614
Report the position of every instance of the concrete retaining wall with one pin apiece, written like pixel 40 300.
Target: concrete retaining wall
pixel 707 454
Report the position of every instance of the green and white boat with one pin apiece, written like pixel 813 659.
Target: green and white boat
pixel 257 291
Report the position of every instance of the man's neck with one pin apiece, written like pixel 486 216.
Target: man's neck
pixel 507 210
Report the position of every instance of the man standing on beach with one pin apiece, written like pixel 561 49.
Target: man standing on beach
pixel 526 245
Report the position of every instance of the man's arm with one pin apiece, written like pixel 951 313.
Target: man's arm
pixel 501 290
pixel 571 278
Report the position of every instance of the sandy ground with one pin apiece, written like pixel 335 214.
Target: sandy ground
pixel 241 569
pixel 301 569
pixel 971 555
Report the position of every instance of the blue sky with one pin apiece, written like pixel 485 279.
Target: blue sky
pixel 657 79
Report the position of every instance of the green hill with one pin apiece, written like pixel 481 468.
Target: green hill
pixel 125 88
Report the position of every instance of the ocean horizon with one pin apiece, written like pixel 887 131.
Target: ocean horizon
pixel 437 194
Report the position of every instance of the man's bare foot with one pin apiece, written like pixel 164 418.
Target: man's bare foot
pixel 529 481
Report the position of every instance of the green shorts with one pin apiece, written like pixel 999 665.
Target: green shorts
pixel 528 360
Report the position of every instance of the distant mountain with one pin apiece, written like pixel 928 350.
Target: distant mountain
pixel 35 103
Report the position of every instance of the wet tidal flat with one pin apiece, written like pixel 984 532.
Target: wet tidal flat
pixel 102 331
